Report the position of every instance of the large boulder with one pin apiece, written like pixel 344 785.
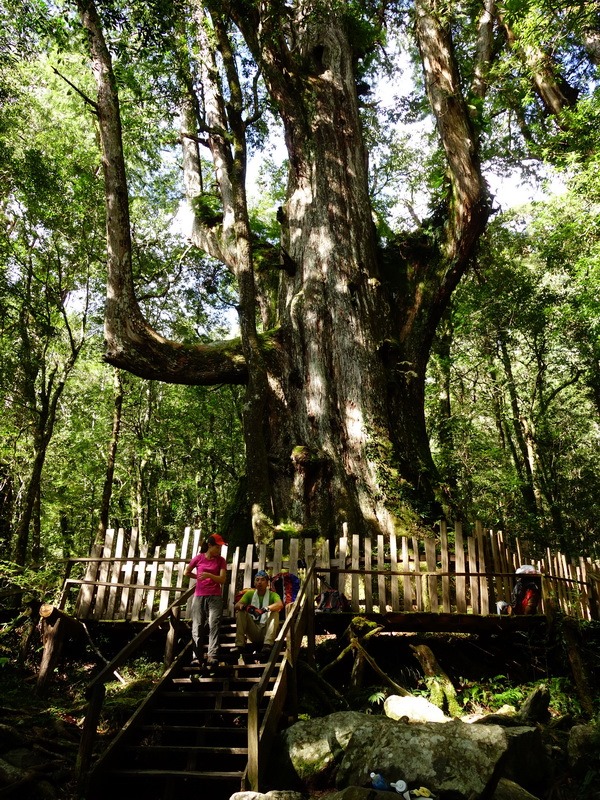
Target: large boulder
pixel 583 747
pixel 509 790
pixel 272 795
pixel 414 708
pixel 452 758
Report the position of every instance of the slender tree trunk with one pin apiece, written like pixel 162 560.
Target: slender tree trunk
pixel 521 434
pixel 42 436
pixel 6 506
pixel 111 458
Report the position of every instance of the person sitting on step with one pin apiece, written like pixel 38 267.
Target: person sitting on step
pixel 257 616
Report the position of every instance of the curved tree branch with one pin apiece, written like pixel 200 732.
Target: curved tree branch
pixel 131 342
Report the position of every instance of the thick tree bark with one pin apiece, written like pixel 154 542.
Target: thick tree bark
pixel 334 420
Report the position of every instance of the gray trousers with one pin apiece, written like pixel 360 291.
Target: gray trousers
pixel 206 610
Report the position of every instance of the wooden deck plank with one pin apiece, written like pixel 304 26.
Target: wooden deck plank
pixel 459 562
pixel 342 556
pixel 165 593
pixel 484 597
pixel 406 582
pixel 368 579
pixel 418 582
pixel 86 593
pixel 446 605
pixel 473 579
pixel 115 575
pixel 128 574
pixel 138 597
pixel 357 583
pixel 432 581
pixel 394 578
pixel 98 603
pixel 248 579
pixel 151 593
pixel 233 582
pixel 381 592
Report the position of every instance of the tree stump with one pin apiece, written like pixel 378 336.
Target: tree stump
pixel 56 627
pixel 441 688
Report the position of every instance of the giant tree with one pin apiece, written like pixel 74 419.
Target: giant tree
pixel 335 332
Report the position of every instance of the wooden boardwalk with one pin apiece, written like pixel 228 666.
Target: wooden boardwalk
pixel 449 573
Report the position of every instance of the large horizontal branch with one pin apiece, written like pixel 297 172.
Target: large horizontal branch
pixel 135 347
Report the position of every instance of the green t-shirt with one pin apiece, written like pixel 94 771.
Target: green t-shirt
pixel 246 598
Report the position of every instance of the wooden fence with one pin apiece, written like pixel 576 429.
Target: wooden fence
pixel 448 573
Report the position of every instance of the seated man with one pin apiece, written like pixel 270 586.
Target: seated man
pixel 258 616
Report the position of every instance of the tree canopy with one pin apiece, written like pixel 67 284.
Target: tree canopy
pixel 401 350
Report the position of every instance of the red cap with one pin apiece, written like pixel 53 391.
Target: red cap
pixel 218 539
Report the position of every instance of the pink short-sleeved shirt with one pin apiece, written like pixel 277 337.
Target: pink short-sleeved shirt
pixel 207 586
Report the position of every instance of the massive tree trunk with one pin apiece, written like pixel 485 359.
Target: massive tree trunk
pixel 334 419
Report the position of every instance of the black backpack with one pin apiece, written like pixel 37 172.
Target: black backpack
pixel 330 601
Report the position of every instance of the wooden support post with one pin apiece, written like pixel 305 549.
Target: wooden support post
pixel 55 626
pixel 88 737
pixel 172 636
pixel 253 726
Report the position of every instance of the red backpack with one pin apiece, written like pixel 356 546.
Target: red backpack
pixel 286 585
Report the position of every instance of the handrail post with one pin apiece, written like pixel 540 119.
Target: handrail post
pixel 88 735
pixel 310 619
pixel 172 636
pixel 253 765
pixel 291 656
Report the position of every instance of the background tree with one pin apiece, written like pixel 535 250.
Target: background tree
pixel 521 363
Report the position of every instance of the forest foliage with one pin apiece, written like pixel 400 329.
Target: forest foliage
pixel 513 385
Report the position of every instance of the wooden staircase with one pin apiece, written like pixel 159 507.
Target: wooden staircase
pixel 190 733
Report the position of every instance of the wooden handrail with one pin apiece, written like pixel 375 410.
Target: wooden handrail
pixel 96 691
pixel 258 735
pixel 105 674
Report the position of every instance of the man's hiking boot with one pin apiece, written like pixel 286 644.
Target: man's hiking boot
pixel 212 665
pixel 265 654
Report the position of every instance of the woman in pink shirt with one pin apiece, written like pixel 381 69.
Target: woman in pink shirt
pixel 209 568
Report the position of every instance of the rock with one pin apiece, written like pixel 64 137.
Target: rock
pixel 357 793
pixel 9 773
pixel 527 761
pixel 509 790
pixel 505 720
pixel 23 758
pixel 452 757
pixel 10 737
pixel 278 794
pixel 535 707
pixel 583 747
pixel 417 709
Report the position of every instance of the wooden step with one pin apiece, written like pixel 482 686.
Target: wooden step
pixel 214 734
pixel 208 693
pixel 158 749
pixel 250 681
pixel 193 713
pixel 183 757
pixel 176 773
pixel 168 784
